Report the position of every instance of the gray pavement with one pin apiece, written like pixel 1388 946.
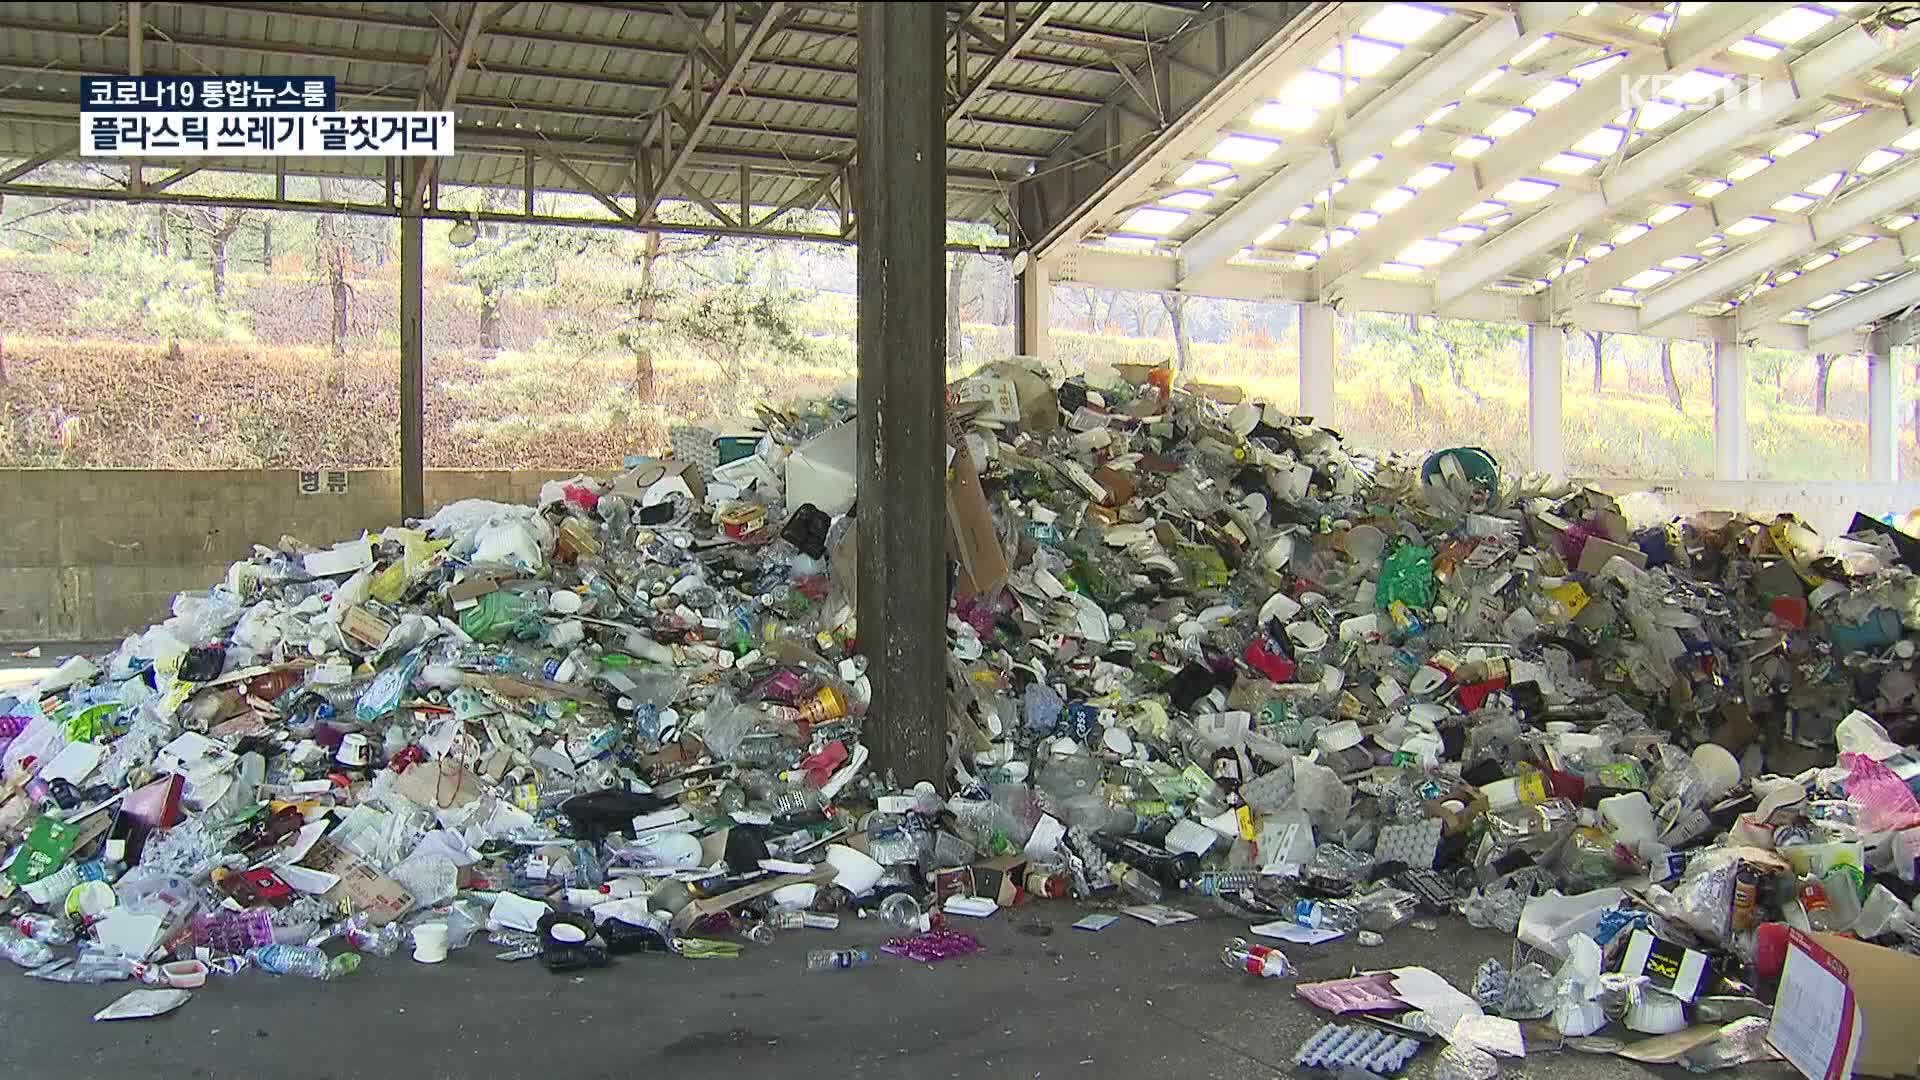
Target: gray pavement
pixel 1044 1000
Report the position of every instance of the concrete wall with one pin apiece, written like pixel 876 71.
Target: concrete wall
pixel 90 555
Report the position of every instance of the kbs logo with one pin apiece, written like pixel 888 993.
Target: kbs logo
pixel 1696 90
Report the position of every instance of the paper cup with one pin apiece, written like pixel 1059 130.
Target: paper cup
pixel 430 942
pixel 1719 768
pixel 858 873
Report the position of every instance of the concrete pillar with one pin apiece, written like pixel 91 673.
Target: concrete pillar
pixel 1883 422
pixel 1729 410
pixel 1032 309
pixel 412 355
pixel 1546 443
pixel 1316 362
pixel 902 353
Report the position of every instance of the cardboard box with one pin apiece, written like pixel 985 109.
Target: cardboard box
pixel 365 627
pixel 1678 970
pixel 825 470
pixel 1039 404
pixel 382 898
pixel 1595 553
pixel 1880 981
pixel 970 536
pixel 653 482
pixel 1000 879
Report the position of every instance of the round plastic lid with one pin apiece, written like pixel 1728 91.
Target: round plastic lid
pixel 568 933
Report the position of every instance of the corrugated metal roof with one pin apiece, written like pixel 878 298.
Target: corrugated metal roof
pixel 585 82
pixel 1501 187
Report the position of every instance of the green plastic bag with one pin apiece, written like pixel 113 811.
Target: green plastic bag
pixel 1406 577
pixel 498 616
pixel 48 845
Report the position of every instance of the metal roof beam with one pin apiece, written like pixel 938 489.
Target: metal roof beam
pixel 975 85
pixel 1227 55
pixel 1309 167
pixel 440 90
pixel 1866 308
pixel 1884 256
pixel 1851 50
pixel 706 100
pixel 1830 153
pixel 1784 242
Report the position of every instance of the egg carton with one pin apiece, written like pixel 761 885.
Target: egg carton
pixel 1344 1046
pixel 695 445
pixel 1414 845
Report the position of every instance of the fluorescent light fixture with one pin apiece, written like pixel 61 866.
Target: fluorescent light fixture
pixel 1601 142
pixel 1747 226
pixel 1117 240
pixel 1696 85
pixel 1304 260
pixel 1427 252
pixel 1901 222
pixel 1363 57
pixel 1462 234
pixel 1403 23
pixel 1400 269
pixel 1793 204
pixel 1629 234
pixel 1877 160
pixel 1482 209
pixel 1243 149
pixel 1552 94
pixel 1667 213
pixel 1818 261
pixel 1656 23
pixel 1406 137
pixel 1793 144
pixel 1538 44
pixel 1472 146
pixel 1270 232
pixel 1598 251
pixel 1754 50
pixel 1646 279
pixel 1713 252
pixel 1480 85
pixel 1784 278
pixel 1793 24
pixel 1365 219
pixel 1153 221
pixel 1188 200
pixel 1285 116
pixel 1653 115
pixel 1329 191
pixel 1618 296
pixel 1300 211
pixel 1441 113
pixel 1499 219
pixel 1711 188
pixel 1429 176
pixel 1570 164
pixel 1748 168
pixel 1223 183
pixel 1508 122
pixel 1909 141
pixel 1855 244
pixel 1365 166
pixel 1392 200
pixel 1824 186
pixel 1526 191
pixel 1682 262
pixel 1838 122
pixel 1594 68
pixel 1201 172
pixel 1827 301
pixel 1315 89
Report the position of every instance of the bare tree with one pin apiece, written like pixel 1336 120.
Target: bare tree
pixel 218 226
pixel 1176 305
pixel 1598 340
pixel 1666 373
pixel 1822 371
pixel 956 280
pixel 333 255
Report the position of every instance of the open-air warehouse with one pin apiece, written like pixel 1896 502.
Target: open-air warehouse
pixel 1053 718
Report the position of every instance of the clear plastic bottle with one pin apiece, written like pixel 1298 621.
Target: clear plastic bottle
pixel 1268 963
pixel 50 929
pixel 362 936
pixel 22 949
pixel 837 959
pixel 1326 915
pixel 303 960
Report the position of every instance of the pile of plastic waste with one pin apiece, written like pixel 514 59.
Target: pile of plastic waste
pixel 1201 653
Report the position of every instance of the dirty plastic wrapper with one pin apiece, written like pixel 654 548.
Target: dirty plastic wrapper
pixel 1463 1062
pixel 144 1004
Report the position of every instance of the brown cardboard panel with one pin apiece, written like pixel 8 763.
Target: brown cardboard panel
pixel 970 535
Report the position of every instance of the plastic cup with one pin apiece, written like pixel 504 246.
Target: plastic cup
pixel 430 942
pixel 858 873
pixel 1720 769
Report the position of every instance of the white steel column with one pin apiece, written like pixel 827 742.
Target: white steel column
pixel 1729 410
pixel 1883 426
pixel 1033 310
pixel 1316 362
pixel 1546 444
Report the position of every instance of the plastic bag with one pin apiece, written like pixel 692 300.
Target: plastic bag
pixel 203 617
pixel 1406 577
pixel 727 724
pixel 500 615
